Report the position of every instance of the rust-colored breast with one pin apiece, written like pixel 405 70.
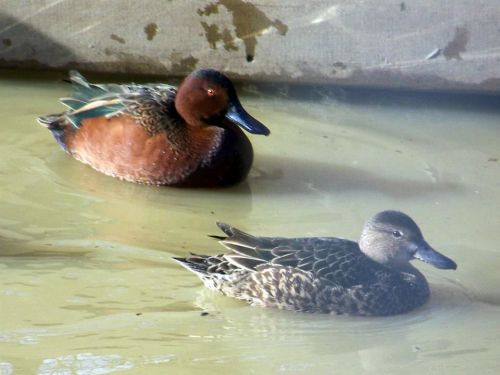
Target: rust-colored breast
pixel 120 147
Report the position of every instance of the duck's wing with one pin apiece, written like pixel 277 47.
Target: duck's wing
pixel 226 264
pixel 335 260
pixel 151 102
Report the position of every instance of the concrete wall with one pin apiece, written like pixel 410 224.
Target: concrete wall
pixel 422 44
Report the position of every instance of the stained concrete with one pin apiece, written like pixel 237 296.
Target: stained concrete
pixel 424 44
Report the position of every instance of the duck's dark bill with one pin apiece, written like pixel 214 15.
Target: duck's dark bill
pixel 427 254
pixel 239 116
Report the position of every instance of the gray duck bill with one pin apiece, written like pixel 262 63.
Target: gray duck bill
pixel 427 254
pixel 237 115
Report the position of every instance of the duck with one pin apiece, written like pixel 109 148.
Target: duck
pixel 372 277
pixel 157 134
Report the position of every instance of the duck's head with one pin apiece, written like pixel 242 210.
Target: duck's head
pixel 207 95
pixel 392 238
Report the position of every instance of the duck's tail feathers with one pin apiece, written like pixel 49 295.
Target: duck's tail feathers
pixel 53 123
pixel 198 264
pixel 49 121
pixel 83 90
pixel 244 244
pixel 76 78
pixel 213 271
pixel 244 262
pixel 237 237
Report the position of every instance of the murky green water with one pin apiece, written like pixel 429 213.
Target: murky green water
pixel 87 287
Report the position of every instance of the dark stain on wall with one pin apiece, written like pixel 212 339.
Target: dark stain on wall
pixel 249 23
pixel 339 65
pixel 208 10
pixel 118 39
pixel 151 29
pixel 454 48
pixel 7 42
pixel 185 65
pixel 213 36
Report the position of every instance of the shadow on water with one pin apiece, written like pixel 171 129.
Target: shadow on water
pixel 362 96
pixel 29 252
pixel 280 175
pixel 73 177
pixel 304 176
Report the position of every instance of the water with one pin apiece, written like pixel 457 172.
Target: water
pixel 87 286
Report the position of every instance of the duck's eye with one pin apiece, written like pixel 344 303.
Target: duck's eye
pixel 397 234
pixel 210 92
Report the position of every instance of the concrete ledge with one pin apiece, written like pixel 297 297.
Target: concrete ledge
pixel 424 44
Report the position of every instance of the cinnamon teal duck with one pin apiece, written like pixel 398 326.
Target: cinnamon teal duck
pixel 157 134
pixel 325 274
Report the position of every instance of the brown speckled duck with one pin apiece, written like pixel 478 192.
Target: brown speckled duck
pixel 156 134
pixel 325 274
